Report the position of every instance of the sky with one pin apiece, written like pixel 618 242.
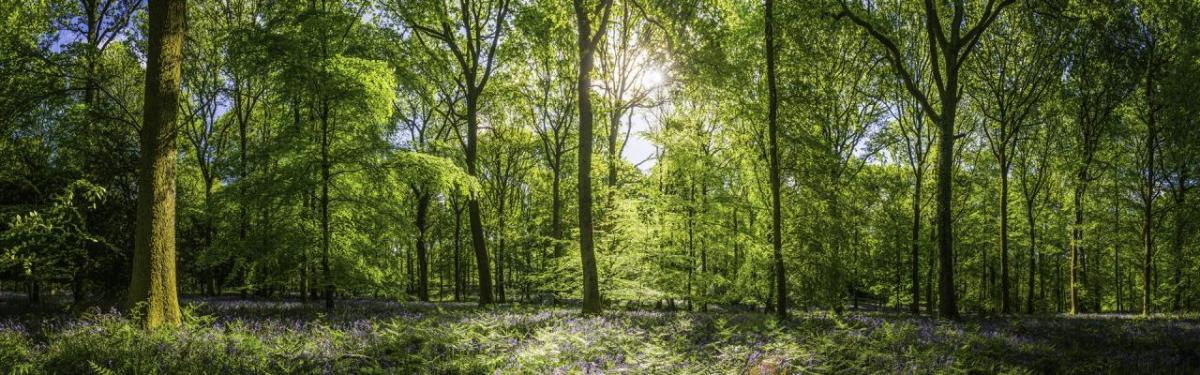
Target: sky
pixel 639 148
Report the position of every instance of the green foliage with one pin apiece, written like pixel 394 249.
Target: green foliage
pixel 436 173
pixel 53 241
pixel 370 101
pixel 367 86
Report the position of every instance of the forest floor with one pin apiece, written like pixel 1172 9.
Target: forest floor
pixel 370 336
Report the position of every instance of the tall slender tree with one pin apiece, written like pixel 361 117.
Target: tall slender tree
pixel 1015 74
pixel 950 42
pixel 918 136
pixel 1097 84
pixel 587 42
pixel 553 109
pixel 1033 171
pixel 781 296
pixel 472 30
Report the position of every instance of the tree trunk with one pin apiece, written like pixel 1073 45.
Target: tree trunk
pixel 556 225
pixel 473 212
pixel 988 280
pixel 1058 287
pixel 929 270
pixel 591 288
pixel 1041 271
pixel 1076 243
pixel 423 200
pixel 34 292
pixel 1148 193
pixel 1005 301
pixel 1030 218
pixel 691 241
pixel 703 252
pixel 410 275
pixel 1177 278
pixel 460 289
pixel 1117 276
pixel 500 296
pixel 306 210
pixel 152 287
pixel 326 276
pixel 308 207
pixel 1177 242
pixel 737 247
pixel 614 129
pixel 780 279
pixel 947 301
pixel 915 308
pixel 898 288
pixel 77 296
pixel 243 173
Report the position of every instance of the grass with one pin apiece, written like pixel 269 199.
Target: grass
pixel 234 336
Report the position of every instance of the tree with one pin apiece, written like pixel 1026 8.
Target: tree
pixel 1181 151
pixel 246 89
pixel 587 42
pixel 1034 170
pixel 950 47
pixel 553 108
pixel 918 136
pixel 427 175
pixel 472 31
pixel 424 104
pixel 1097 84
pixel 56 134
pixel 1163 30
pixel 625 71
pixel 781 304
pixel 1016 74
pixel 205 131
pixel 337 121
pixel 505 163
pixel 153 282
pixel 836 114
pixel 331 150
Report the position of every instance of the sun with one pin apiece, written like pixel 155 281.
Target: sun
pixel 650 79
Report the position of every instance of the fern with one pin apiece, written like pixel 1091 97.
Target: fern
pixel 22 369
pixel 100 370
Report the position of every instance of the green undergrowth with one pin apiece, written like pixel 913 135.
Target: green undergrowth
pixel 521 340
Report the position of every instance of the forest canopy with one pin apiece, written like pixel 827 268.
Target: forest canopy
pixel 933 157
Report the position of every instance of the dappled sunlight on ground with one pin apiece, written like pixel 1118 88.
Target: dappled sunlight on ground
pixel 253 336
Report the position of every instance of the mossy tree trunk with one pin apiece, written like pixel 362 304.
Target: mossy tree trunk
pixel 152 287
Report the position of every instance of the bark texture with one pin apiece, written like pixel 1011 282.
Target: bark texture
pixel 587 45
pixel 152 287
